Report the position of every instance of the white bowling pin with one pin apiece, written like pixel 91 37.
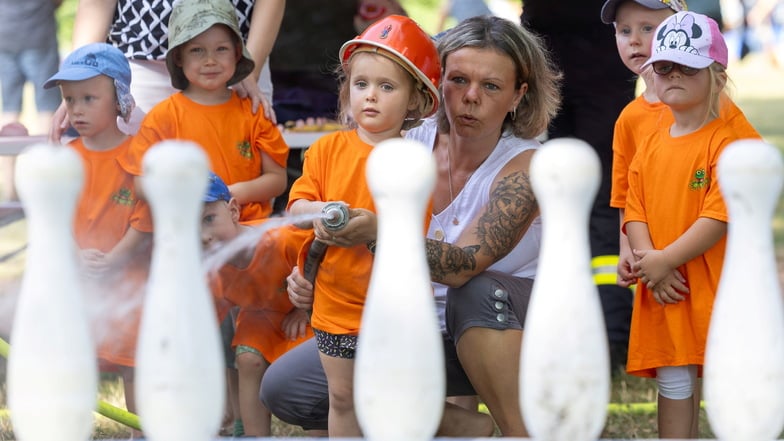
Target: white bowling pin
pixel 399 378
pixel 52 370
pixel 180 386
pixel 744 355
pixel 564 366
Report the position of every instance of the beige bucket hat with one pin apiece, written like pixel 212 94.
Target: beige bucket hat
pixel 190 18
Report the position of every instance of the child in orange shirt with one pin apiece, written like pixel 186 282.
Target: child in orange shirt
pixel 268 324
pixel 635 22
pixel 382 92
pixel 112 227
pixel 206 55
pixel 676 219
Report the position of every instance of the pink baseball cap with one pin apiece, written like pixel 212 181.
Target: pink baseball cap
pixel 690 39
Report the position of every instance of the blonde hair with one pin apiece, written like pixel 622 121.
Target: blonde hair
pixel 533 65
pixel 417 89
pixel 718 85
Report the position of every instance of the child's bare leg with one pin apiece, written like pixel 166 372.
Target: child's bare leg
pixel 233 420
pixel 255 416
pixel 675 418
pixel 695 426
pixel 130 395
pixel 340 380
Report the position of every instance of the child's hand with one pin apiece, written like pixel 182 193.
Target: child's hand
pixel 626 259
pixel 295 323
pixel 94 262
pixel 651 267
pixel 671 289
pixel 300 290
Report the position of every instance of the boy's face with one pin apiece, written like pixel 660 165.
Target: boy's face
pixel 210 59
pixel 635 26
pixel 219 222
pixel 91 104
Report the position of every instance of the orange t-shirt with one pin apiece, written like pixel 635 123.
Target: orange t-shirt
pixel 334 170
pixel 672 183
pixel 639 119
pixel 232 136
pixel 108 206
pixel 259 290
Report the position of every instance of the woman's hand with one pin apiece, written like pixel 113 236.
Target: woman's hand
pixel 249 88
pixel 59 125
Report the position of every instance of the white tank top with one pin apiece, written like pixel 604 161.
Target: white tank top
pixel 523 259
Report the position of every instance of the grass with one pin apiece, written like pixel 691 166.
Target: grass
pixel 630 417
pixel 759 91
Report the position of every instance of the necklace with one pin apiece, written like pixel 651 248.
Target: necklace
pixel 451 196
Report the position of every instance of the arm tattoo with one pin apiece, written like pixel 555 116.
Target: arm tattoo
pixel 444 259
pixel 510 211
pixel 508 214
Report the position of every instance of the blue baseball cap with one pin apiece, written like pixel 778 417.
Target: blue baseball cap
pixel 90 61
pixel 217 190
pixel 95 59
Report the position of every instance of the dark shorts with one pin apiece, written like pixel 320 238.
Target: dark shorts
pixel 340 346
pixel 490 300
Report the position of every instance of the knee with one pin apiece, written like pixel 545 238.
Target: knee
pixel 676 382
pixel 274 388
pixel 250 363
pixel 341 398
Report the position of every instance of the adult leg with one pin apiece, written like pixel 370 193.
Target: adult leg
pixel 294 388
pixel 491 358
pixel 486 317
pixel 38 66
pixel 11 85
pixel 461 417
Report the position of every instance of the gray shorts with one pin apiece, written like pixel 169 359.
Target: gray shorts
pixel 490 300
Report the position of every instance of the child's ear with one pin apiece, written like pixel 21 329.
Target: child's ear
pixel 234 208
pixel 417 100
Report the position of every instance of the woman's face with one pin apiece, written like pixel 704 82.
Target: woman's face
pixel 479 90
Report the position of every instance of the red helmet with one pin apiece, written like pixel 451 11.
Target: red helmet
pixel 404 39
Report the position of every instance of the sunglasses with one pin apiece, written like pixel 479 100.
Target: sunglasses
pixel 665 67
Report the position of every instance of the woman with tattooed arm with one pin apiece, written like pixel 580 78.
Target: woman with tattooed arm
pixel 499 90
